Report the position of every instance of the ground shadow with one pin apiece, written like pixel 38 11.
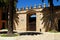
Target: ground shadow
pixel 5 32
pixel 30 33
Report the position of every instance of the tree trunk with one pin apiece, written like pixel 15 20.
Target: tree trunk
pixel 53 27
pixel 10 17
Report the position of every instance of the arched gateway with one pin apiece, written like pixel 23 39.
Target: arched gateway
pixel 26 23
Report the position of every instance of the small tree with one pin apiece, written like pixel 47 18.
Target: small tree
pixel 9 6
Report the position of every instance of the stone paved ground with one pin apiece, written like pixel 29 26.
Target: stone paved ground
pixel 44 36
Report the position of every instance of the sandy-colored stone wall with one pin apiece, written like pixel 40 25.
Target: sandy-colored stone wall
pixel 39 25
pixel 22 23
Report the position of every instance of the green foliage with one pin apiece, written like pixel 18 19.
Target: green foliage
pixel 6 35
pixel 7 6
pixel 53 31
pixel 49 19
pixel 2 3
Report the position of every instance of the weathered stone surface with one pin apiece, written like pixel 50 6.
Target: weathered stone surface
pixel 22 23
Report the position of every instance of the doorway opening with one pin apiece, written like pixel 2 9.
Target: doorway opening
pixel 31 23
pixel 59 25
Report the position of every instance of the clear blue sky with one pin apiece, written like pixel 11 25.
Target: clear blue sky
pixel 24 3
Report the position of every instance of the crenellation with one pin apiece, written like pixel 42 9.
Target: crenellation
pixel 48 4
pixel 22 9
pixel 35 6
pixel 30 7
pixel 27 8
pixel 44 5
pixel 39 6
pixel 16 9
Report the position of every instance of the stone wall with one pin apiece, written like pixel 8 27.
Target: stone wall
pixel 22 23
pixel 39 25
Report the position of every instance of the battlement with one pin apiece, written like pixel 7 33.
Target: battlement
pixel 31 7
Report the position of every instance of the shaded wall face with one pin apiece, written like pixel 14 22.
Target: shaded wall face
pixel 59 25
pixel 0 13
pixel 58 15
pixel 2 19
